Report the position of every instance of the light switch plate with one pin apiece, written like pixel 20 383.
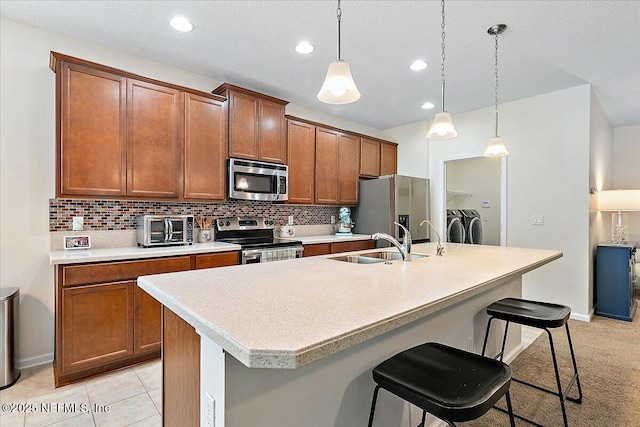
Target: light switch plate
pixel 537 219
pixel 211 410
pixel 290 221
pixel 78 223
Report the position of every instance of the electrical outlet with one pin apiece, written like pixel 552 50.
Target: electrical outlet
pixel 333 219
pixel 211 408
pixel 537 219
pixel 78 223
pixel 290 221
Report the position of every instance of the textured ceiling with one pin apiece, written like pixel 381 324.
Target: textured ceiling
pixel 549 45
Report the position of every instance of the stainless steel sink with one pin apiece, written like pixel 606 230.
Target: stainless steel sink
pixel 375 257
pixel 358 259
pixel 390 256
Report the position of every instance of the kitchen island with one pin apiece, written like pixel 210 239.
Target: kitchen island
pixel 292 343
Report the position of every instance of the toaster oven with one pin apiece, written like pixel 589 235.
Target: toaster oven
pixel 164 230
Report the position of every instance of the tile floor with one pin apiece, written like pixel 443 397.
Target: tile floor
pixel 128 397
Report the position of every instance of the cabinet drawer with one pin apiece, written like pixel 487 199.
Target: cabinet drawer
pixel 126 270
pixel 217 260
pixel 352 246
pixel 317 249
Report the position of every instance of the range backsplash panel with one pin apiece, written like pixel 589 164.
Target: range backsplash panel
pixel 121 214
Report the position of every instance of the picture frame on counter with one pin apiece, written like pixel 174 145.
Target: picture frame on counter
pixel 76 242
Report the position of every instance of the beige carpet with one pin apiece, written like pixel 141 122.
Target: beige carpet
pixel 608 357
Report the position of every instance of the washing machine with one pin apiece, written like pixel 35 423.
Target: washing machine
pixel 455 227
pixel 473 226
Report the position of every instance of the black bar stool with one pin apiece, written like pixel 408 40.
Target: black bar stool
pixel 540 315
pixel 451 384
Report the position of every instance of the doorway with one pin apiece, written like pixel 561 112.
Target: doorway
pixel 475 201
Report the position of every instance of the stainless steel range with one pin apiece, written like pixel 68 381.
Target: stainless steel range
pixel 255 236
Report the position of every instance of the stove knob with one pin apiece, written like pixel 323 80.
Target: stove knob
pixel 227 223
pixel 221 224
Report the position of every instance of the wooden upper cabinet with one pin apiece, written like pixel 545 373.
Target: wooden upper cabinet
pixel 388 158
pixel 273 137
pixel 91 137
pixel 369 157
pixel 327 190
pixel 337 167
pixel 205 148
pixel 348 168
pixel 154 124
pixel 301 142
pixel 257 124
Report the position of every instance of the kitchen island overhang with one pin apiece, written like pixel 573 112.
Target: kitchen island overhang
pixel 289 314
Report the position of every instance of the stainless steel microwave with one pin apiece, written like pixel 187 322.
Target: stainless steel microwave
pixel 251 180
pixel 164 230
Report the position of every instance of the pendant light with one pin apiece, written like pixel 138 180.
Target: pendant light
pixel 338 87
pixel 496 147
pixel 442 126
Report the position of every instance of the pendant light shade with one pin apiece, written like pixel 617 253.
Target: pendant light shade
pixel 442 127
pixel 338 87
pixel 496 147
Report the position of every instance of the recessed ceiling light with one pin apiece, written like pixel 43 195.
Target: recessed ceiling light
pixel 427 106
pixel 180 23
pixel 418 65
pixel 304 48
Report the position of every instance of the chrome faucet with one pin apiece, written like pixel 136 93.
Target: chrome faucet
pixel 404 247
pixel 439 248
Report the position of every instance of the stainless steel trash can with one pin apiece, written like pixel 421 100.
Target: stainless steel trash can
pixel 9 314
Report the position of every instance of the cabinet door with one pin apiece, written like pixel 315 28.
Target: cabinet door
pixel 243 126
pixel 388 159
pixel 92 126
pixel 205 148
pixel 327 190
pixel 348 168
pixel 301 140
pixel 272 132
pixel 147 322
pixel 369 157
pixel 96 324
pixel 154 137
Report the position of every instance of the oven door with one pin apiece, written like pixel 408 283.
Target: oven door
pixel 254 256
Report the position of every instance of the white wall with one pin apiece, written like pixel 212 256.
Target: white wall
pixel 548 174
pixel 27 136
pixel 626 174
pixel 413 152
pixel 600 178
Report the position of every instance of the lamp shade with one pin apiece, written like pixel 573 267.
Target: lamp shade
pixel 442 127
pixel 619 200
pixel 496 148
pixel 339 87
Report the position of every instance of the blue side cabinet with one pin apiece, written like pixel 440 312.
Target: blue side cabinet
pixel 615 281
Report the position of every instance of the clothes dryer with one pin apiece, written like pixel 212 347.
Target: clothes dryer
pixel 472 225
pixel 455 227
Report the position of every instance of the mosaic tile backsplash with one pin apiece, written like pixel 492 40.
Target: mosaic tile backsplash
pixel 121 214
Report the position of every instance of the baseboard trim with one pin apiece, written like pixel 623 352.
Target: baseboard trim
pixel 582 317
pixel 36 361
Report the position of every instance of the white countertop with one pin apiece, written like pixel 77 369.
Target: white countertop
pixel 134 252
pixel 329 238
pixel 289 313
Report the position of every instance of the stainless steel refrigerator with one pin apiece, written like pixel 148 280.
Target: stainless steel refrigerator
pixel 390 198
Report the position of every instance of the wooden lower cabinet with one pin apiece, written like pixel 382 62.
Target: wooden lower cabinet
pixel 104 321
pixel 337 247
pixel 96 323
pixel 147 326
pixel 180 372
